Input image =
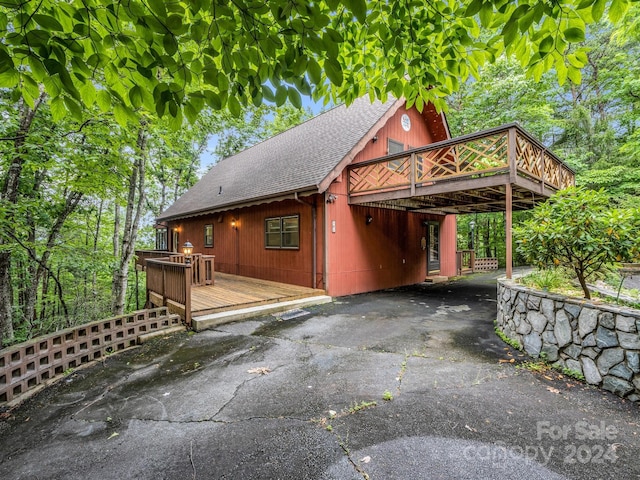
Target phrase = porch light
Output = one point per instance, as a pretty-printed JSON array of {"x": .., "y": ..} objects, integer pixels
[
  {"x": 369, "y": 219},
  {"x": 472, "y": 225},
  {"x": 233, "y": 223},
  {"x": 187, "y": 249}
]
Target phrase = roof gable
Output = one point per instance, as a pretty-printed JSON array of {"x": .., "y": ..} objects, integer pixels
[{"x": 304, "y": 158}]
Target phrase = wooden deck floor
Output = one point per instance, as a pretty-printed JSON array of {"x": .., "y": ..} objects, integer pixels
[{"x": 232, "y": 292}]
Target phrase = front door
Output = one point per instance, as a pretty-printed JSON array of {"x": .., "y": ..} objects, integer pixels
[
  {"x": 176, "y": 241},
  {"x": 433, "y": 248}
]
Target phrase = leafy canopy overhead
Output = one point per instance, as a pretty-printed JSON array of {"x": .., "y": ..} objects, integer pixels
[{"x": 175, "y": 57}]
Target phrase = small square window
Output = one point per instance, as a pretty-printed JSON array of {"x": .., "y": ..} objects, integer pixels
[
  {"x": 395, "y": 147},
  {"x": 208, "y": 235}
]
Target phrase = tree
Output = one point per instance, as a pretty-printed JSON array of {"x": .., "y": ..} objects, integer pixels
[
  {"x": 578, "y": 229},
  {"x": 176, "y": 57}
]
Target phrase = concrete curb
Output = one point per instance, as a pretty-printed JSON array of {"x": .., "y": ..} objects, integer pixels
[{"x": 209, "y": 321}]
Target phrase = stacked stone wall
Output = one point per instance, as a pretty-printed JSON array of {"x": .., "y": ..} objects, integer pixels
[{"x": 602, "y": 342}]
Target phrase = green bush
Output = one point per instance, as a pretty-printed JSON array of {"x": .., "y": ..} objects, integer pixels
[{"x": 578, "y": 229}]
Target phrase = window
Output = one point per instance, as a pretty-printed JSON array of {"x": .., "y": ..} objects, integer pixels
[
  {"x": 208, "y": 235},
  {"x": 161, "y": 239},
  {"x": 282, "y": 232},
  {"x": 395, "y": 147}
]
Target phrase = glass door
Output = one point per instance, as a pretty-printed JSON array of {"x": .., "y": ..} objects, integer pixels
[{"x": 433, "y": 247}]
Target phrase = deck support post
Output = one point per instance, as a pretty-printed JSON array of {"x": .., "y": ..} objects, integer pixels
[{"x": 507, "y": 227}]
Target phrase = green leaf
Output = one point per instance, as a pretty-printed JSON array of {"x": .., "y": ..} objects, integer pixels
[
  {"x": 359, "y": 9},
  {"x": 158, "y": 7},
  {"x": 574, "y": 75},
  {"x": 234, "y": 106},
  {"x": 88, "y": 93},
  {"x": 333, "y": 71},
  {"x": 509, "y": 33},
  {"x": 74, "y": 109},
  {"x": 47, "y": 22},
  {"x": 597, "y": 10},
  {"x": 314, "y": 71},
  {"x": 58, "y": 110},
  {"x": 574, "y": 35},
  {"x": 169, "y": 43},
  {"x": 281, "y": 95},
  {"x": 617, "y": 10},
  {"x": 546, "y": 45},
  {"x": 135, "y": 96},
  {"x": 37, "y": 69},
  {"x": 486, "y": 15},
  {"x": 473, "y": 8},
  {"x": 561, "y": 70},
  {"x": 294, "y": 97},
  {"x": 103, "y": 100},
  {"x": 174, "y": 23},
  {"x": 120, "y": 114}
]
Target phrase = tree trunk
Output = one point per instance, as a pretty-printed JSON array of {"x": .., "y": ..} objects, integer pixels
[
  {"x": 9, "y": 195},
  {"x": 133, "y": 214}
]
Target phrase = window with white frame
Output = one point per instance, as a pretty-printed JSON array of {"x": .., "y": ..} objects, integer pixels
[{"x": 161, "y": 239}]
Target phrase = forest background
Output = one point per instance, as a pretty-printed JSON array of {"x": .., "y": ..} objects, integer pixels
[{"x": 89, "y": 190}]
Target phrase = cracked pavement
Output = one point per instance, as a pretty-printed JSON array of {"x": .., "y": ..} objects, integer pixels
[{"x": 187, "y": 406}]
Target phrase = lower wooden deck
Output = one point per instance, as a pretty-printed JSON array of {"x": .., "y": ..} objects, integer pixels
[{"x": 232, "y": 292}]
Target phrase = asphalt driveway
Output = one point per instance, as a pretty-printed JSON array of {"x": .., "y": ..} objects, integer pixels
[{"x": 408, "y": 383}]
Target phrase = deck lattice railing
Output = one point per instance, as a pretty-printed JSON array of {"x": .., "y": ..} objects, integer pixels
[{"x": 471, "y": 156}]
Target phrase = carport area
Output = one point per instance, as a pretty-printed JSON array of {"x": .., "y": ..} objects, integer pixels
[{"x": 304, "y": 397}]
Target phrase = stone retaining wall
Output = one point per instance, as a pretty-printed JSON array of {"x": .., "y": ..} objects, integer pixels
[{"x": 600, "y": 341}]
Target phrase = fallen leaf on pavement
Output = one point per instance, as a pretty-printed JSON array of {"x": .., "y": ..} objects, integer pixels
[
  {"x": 259, "y": 370},
  {"x": 366, "y": 459},
  {"x": 553, "y": 390},
  {"x": 471, "y": 429}
]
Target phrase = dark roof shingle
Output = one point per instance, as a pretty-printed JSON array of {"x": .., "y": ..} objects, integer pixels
[{"x": 296, "y": 160}]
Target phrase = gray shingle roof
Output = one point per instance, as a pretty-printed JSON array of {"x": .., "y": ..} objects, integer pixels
[{"x": 296, "y": 160}]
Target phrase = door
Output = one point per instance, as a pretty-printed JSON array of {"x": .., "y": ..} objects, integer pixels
[
  {"x": 176, "y": 242},
  {"x": 433, "y": 247}
]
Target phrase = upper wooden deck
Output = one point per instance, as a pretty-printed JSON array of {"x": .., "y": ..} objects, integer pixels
[{"x": 462, "y": 175}]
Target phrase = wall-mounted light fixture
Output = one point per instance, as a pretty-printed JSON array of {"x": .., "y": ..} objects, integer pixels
[
  {"x": 187, "y": 249},
  {"x": 374, "y": 139},
  {"x": 368, "y": 219},
  {"x": 234, "y": 224},
  {"x": 472, "y": 225},
  {"x": 331, "y": 198}
]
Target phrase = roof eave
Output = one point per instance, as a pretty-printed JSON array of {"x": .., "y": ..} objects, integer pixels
[
  {"x": 289, "y": 195},
  {"x": 337, "y": 170}
]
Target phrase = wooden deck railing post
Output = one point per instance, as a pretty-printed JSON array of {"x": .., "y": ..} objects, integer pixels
[
  {"x": 512, "y": 159},
  {"x": 412, "y": 174},
  {"x": 472, "y": 261},
  {"x": 164, "y": 286},
  {"x": 187, "y": 294}
]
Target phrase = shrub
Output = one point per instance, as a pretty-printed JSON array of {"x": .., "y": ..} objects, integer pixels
[{"x": 577, "y": 229}]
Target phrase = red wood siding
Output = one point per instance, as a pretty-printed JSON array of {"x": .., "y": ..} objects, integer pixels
[
  {"x": 241, "y": 251},
  {"x": 386, "y": 253},
  {"x": 420, "y": 134},
  {"x": 360, "y": 257}
]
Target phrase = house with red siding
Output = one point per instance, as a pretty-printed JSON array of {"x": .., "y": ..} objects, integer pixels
[
  {"x": 359, "y": 198},
  {"x": 282, "y": 211}
]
